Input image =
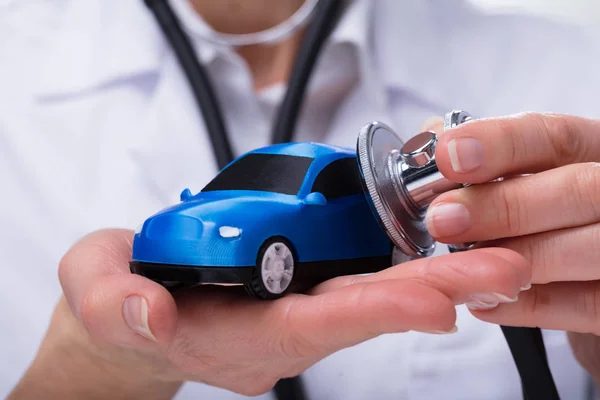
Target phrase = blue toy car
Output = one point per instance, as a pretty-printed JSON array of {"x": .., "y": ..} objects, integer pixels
[{"x": 285, "y": 213}]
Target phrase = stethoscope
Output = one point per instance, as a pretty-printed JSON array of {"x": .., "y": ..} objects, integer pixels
[{"x": 399, "y": 179}]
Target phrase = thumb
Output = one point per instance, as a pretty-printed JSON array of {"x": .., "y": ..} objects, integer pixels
[
  {"x": 129, "y": 310},
  {"x": 114, "y": 305}
]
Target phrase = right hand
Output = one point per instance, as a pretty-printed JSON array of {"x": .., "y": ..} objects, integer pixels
[{"x": 224, "y": 338}]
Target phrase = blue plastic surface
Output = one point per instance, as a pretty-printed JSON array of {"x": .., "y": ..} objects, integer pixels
[{"x": 318, "y": 228}]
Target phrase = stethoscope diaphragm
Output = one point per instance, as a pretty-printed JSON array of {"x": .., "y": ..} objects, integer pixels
[{"x": 401, "y": 179}]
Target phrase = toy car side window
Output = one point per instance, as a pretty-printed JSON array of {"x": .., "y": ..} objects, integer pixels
[{"x": 338, "y": 179}]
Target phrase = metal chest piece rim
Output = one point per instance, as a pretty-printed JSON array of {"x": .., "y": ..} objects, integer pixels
[
  {"x": 378, "y": 151},
  {"x": 386, "y": 163}
]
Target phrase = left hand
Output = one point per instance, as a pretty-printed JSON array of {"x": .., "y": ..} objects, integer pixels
[{"x": 547, "y": 209}]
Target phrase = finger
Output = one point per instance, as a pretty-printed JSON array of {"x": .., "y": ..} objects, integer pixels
[
  {"x": 563, "y": 255},
  {"x": 482, "y": 150},
  {"x": 113, "y": 304},
  {"x": 491, "y": 274},
  {"x": 356, "y": 313},
  {"x": 569, "y": 306},
  {"x": 560, "y": 198},
  {"x": 299, "y": 326},
  {"x": 433, "y": 124}
]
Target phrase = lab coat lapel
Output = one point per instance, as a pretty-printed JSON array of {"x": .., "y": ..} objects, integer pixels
[{"x": 99, "y": 49}]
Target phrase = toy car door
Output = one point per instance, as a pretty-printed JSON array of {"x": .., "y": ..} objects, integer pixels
[{"x": 343, "y": 231}]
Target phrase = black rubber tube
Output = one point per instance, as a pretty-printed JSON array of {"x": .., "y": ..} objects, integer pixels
[
  {"x": 326, "y": 16},
  {"x": 199, "y": 82},
  {"x": 528, "y": 351}
]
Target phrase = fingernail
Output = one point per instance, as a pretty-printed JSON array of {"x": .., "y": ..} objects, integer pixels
[
  {"x": 453, "y": 330},
  {"x": 431, "y": 123},
  {"x": 487, "y": 301},
  {"x": 447, "y": 219},
  {"x": 526, "y": 287},
  {"x": 466, "y": 154},
  {"x": 135, "y": 313},
  {"x": 481, "y": 305}
]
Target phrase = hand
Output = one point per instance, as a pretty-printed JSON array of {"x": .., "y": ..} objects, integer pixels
[
  {"x": 134, "y": 327},
  {"x": 547, "y": 209}
]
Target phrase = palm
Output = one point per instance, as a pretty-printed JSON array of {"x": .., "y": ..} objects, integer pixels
[{"x": 222, "y": 337}]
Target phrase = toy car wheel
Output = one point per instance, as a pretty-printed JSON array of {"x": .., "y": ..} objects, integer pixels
[{"x": 274, "y": 272}]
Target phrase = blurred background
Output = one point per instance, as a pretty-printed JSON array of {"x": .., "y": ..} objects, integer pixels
[{"x": 585, "y": 12}]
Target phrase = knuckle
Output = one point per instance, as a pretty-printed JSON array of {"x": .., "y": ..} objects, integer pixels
[
  {"x": 515, "y": 142},
  {"x": 540, "y": 253},
  {"x": 292, "y": 343},
  {"x": 589, "y": 306},
  {"x": 534, "y": 307},
  {"x": 586, "y": 188},
  {"x": 563, "y": 136},
  {"x": 509, "y": 210}
]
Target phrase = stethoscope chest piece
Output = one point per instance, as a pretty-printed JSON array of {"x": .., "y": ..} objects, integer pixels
[{"x": 401, "y": 180}]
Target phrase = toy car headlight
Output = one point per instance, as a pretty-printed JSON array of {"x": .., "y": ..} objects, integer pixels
[{"x": 229, "y": 232}]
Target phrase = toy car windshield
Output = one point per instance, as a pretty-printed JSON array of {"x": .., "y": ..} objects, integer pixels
[{"x": 275, "y": 173}]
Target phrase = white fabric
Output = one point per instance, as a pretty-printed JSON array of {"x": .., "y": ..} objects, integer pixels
[{"x": 98, "y": 129}]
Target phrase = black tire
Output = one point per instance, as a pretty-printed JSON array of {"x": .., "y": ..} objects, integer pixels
[{"x": 285, "y": 266}]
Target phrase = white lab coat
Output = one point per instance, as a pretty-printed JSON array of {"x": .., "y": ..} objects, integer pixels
[{"x": 98, "y": 129}]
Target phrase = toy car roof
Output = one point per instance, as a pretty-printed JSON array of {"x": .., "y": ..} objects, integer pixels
[{"x": 305, "y": 149}]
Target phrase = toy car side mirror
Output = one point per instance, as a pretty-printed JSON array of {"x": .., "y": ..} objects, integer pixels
[
  {"x": 185, "y": 195},
  {"x": 315, "y": 198}
]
